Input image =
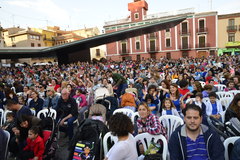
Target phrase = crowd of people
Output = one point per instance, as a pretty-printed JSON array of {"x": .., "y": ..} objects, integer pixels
[{"x": 159, "y": 87}]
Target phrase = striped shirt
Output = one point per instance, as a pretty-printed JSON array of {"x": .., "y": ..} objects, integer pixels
[{"x": 196, "y": 150}]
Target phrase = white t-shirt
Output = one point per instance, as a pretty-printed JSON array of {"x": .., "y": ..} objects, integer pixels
[{"x": 124, "y": 150}]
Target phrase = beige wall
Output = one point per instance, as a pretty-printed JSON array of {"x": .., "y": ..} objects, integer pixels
[
  {"x": 102, "y": 52},
  {"x": 22, "y": 41},
  {"x": 222, "y": 31}
]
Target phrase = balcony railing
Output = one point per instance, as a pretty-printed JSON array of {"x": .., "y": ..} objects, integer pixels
[
  {"x": 204, "y": 45},
  {"x": 202, "y": 30},
  {"x": 152, "y": 49},
  {"x": 232, "y": 28},
  {"x": 124, "y": 51},
  {"x": 182, "y": 33},
  {"x": 184, "y": 47}
]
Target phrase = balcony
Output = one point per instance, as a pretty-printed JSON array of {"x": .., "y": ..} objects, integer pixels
[
  {"x": 152, "y": 35},
  {"x": 202, "y": 30},
  {"x": 48, "y": 39},
  {"x": 184, "y": 33},
  {"x": 152, "y": 50},
  {"x": 124, "y": 51},
  {"x": 184, "y": 47},
  {"x": 204, "y": 45},
  {"x": 232, "y": 28}
]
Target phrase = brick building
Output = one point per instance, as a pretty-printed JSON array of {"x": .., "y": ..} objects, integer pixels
[{"x": 194, "y": 37}]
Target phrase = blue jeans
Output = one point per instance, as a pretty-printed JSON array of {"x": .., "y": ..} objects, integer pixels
[{"x": 70, "y": 126}]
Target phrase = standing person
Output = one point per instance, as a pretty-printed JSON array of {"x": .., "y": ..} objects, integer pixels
[
  {"x": 119, "y": 82},
  {"x": 67, "y": 110},
  {"x": 194, "y": 140},
  {"x": 125, "y": 149}
]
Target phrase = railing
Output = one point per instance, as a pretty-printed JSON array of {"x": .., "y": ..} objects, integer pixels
[
  {"x": 202, "y": 30},
  {"x": 166, "y": 14},
  {"x": 152, "y": 49},
  {"x": 184, "y": 47},
  {"x": 184, "y": 32},
  {"x": 125, "y": 20},
  {"x": 205, "y": 45},
  {"x": 232, "y": 28},
  {"x": 124, "y": 51}
]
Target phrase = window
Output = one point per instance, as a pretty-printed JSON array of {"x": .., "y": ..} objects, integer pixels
[
  {"x": 14, "y": 45},
  {"x": 184, "y": 42},
  {"x": 97, "y": 52},
  {"x": 39, "y": 45},
  {"x": 152, "y": 35},
  {"x": 184, "y": 28},
  {"x": 152, "y": 46},
  {"x": 201, "y": 40},
  {"x": 231, "y": 37},
  {"x": 138, "y": 57},
  {"x": 153, "y": 56},
  {"x": 136, "y": 15},
  {"x": 13, "y": 39},
  {"x": 201, "y": 25},
  {"x": 168, "y": 42},
  {"x": 124, "y": 47},
  {"x": 138, "y": 45},
  {"x": 231, "y": 22},
  {"x": 168, "y": 30},
  {"x": 212, "y": 53},
  {"x": 168, "y": 55},
  {"x": 185, "y": 54},
  {"x": 32, "y": 44}
]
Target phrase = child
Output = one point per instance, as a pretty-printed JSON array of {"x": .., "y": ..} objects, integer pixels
[
  {"x": 150, "y": 102},
  {"x": 35, "y": 146},
  {"x": 82, "y": 103},
  {"x": 169, "y": 108},
  {"x": 206, "y": 90},
  {"x": 198, "y": 101},
  {"x": 214, "y": 107},
  {"x": 9, "y": 124}
]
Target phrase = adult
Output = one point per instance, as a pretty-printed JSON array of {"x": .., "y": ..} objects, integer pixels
[
  {"x": 52, "y": 99},
  {"x": 36, "y": 103},
  {"x": 121, "y": 126},
  {"x": 3, "y": 141},
  {"x": 194, "y": 140},
  {"x": 55, "y": 84},
  {"x": 175, "y": 96},
  {"x": 106, "y": 84},
  {"x": 233, "y": 110},
  {"x": 67, "y": 110}
]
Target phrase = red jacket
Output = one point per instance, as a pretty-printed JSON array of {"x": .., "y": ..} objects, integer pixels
[{"x": 37, "y": 146}]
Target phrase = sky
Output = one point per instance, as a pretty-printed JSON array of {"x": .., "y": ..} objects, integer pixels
[{"x": 77, "y": 14}]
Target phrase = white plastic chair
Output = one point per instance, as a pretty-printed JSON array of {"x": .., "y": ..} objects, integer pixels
[
  {"x": 7, "y": 134},
  {"x": 33, "y": 112},
  {"x": 44, "y": 112},
  {"x": 202, "y": 83},
  {"x": 135, "y": 115},
  {"x": 225, "y": 101},
  {"x": 220, "y": 87},
  {"x": 113, "y": 139},
  {"x": 189, "y": 100},
  {"x": 226, "y": 144},
  {"x": 205, "y": 100},
  {"x": 5, "y": 115},
  {"x": 1, "y": 116},
  {"x": 170, "y": 122},
  {"x": 147, "y": 138},
  {"x": 224, "y": 94},
  {"x": 234, "y": 92},
  {"x": 174, "y": 80},
  {"x": 125, "y": 111},
  {"x": 223, "y": 116}
]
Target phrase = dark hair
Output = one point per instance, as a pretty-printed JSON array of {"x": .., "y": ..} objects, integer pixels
[
  {"x": 120, "y": 125},
  {"x": 234, "y": 104},
  {"x": 212, "y": 94},
  {"x": 148, "y": 96},
  {"x": 193, "y": 107},
  {"x": 10, "y": 114},
  {"x": 11, "y": 102},
  {"x": 183, "y": 83},
  {"x": 199, "y": 94},
  {"x": 35, "y": 130},
  {"x": 151, "y": 87},
  {"x": 167, "y": 83},
  {"x": 208, "y": 87}
]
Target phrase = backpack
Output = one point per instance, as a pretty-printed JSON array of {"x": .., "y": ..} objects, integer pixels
[{"x": 92, "y": 131}]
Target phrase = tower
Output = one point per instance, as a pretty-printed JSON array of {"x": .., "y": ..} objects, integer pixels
[{"x": 138, "y": 10}]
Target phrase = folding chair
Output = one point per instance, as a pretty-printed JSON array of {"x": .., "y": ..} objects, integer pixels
[
  {"x": 227, "y": 143},
  {"x": 106, "y": 138}
]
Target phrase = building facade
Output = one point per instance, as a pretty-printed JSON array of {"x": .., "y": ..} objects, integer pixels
[
  {"x": 229, "y": 34},
  {"x": 47, "y": 35},
  {"x": 194, "y": 37}
]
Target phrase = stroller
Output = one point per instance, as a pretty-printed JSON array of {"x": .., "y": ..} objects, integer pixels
[{"x": 102, "y": 96}]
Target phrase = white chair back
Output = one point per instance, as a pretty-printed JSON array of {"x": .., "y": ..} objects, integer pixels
[
  {"x": 135, "y": 115},
  {"x": 125, "y": 111},
  {"x": 147, "y": 138},
  {"x": 170, "y": 122},
  {"x": 189, "y": 100},
  {"x": 7, "y": 134},
  {"x": 225, "y": 101},
  {"x": 224, "y": 94},
  {"x": 106, "y": 138},
  {"x": 47, "y": 113},
  {"x": 1, "y": 116},
  {"x": 5, "y": 115},
  {"x": 227, "y": 143},
  {"x": 33, "y": 111},
  {"x": 223, "y": 116},
  {"x": 234, "y": 92},
  {"x": 205, "y": 100},
  {"x": 220, "y": 87},
  {"x": 174, "y": 80},
  {"x": 202, "y": 83}
]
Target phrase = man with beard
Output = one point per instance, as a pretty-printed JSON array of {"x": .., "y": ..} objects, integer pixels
[{"x": 193, "y": 140}]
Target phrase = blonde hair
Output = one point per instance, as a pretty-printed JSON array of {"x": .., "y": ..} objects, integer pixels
[{"x": 145, "y": 105}]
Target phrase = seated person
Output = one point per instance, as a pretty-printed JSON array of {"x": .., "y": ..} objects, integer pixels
[
  {"x": 206, "y": 90},
  {"x": 169, "y": 108},
  {"x": 230, "y": 86},
  {"x": 233, "y": 110},
  {"x": 150, "y": 102},
  {"x": 10, "y": 123},
  {"x": 128, "y": 101},
  {"x": 184, "y": 88},
  {"x": 214, "y": 107}
]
